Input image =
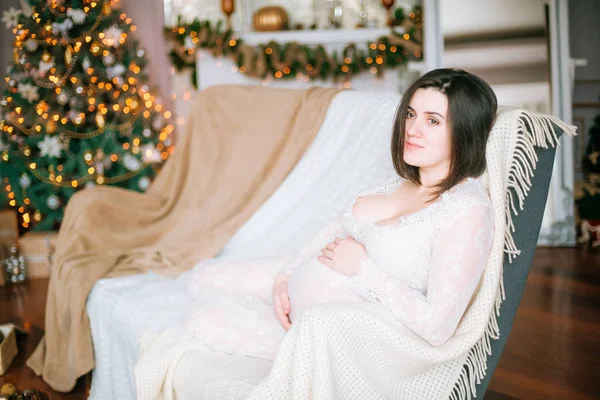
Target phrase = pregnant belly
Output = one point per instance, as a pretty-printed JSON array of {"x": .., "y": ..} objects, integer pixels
[{"x": 314, "y": 283}]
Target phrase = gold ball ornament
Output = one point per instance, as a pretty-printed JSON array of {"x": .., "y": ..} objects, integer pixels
[
  {"x": 78, "y": 118},
  {"x": 8, "y": 389},
  {"x": 95, "y": 48},
  {"x": 270, "y": 18},
  {"x": 50, "y": 127},
  {"x": 106, "y": 9},
  {"x": 41, "y": 107}
]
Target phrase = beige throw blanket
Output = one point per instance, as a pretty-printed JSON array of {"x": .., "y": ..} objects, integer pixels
[{"x": 241, "y": 143}]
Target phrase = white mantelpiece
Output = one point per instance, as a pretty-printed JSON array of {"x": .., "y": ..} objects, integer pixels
[{"x": 321, "y": 36}]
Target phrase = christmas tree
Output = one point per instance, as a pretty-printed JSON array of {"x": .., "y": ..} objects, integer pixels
[
  {"x": 591, "y": 160},
  {"x": 77, "y": 111},
  {"x": 588, "y": 203}
]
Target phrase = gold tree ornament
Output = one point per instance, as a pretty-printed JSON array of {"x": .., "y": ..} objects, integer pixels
[
  {"x": 78, "y": 118},
  {"x": 106, "y": 9},
  {"x": 69, "y": 55},
  {"x": 50, "y": 127},
  {"x": 100, "y": 120},
  {"x": 95, "y": 48},
  {"x": 228, "y": 7},
  {"x": 41, "y": 107},
  {"x": 388, "y": 4},
  {"x": 271, "y": 18}
]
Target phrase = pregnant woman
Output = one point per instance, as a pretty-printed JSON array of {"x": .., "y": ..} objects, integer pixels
[{"x": 416, "y": 245}]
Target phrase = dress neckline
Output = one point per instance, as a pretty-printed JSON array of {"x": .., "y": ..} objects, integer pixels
[{"x": 387, "y": 188}]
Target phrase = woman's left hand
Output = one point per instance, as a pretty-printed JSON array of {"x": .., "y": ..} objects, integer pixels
[{"x": 343, "y": 255}]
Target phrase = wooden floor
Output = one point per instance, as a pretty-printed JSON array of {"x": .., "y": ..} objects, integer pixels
[{"x": 553, "y": 351}]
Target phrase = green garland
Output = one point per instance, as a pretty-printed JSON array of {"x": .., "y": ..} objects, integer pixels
[{"x": 293, "y": 60}]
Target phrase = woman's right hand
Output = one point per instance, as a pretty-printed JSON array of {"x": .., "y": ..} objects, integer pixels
[{"x": 281, "y": 302}]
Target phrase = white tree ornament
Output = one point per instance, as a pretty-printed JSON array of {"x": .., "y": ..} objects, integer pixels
[
  {"x": 131, "y": 162},
  {"x": 11, "y": 17},
  {"x": 50, "y": 147},
  {"x": 112, "y": 35},
  {"x": 77, "y": 15},
  {"x": 46, "y": 66},
  {"x": 28, "y": 91}
]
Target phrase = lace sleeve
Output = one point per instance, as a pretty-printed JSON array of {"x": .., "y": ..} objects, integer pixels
[
  {"x": 332, "y": 230},
  {"x": 456, "y": 264}
]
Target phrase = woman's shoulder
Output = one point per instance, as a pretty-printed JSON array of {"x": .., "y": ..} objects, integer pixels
[
  {"x": 469, "y": 203},
  {"x": 468, "y": 194}
]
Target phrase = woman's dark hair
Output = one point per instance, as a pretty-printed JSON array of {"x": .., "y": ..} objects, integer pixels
[{"x": 472, "y": 109}]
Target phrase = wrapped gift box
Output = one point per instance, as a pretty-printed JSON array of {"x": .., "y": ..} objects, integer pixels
[
  {"x": 8, "y": 347},
  {"x": 9, "y": 229},
  {"x": 9, "y": 232},
  {"x": 37, "y": 248}
]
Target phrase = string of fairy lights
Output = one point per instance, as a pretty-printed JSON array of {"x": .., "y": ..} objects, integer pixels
[{"x": 133, "y": 101}]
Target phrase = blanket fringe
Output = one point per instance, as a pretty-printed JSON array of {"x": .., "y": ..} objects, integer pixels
[{"x": 533, "y": 130}]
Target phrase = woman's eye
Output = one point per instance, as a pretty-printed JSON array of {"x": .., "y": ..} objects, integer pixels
[
  {"x": 433, "y": 121},
  {"x": 410, "y": 114}
]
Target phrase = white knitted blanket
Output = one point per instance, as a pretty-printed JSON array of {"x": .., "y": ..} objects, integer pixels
[{"x": 361, "y": 351}]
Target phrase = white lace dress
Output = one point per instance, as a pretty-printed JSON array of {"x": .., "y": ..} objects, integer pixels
[{"x": 424, "y": 269}]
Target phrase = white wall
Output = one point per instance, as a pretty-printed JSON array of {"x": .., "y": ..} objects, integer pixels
[
  {"x": 460, "y": 17},
  {"x": 517, "y": 69}
]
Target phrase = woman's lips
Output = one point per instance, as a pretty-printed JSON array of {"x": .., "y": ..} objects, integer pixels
[{"x": 412, "y": 146}]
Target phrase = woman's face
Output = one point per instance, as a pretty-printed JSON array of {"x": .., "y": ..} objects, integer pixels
[{"x": 427, "y": 141}]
